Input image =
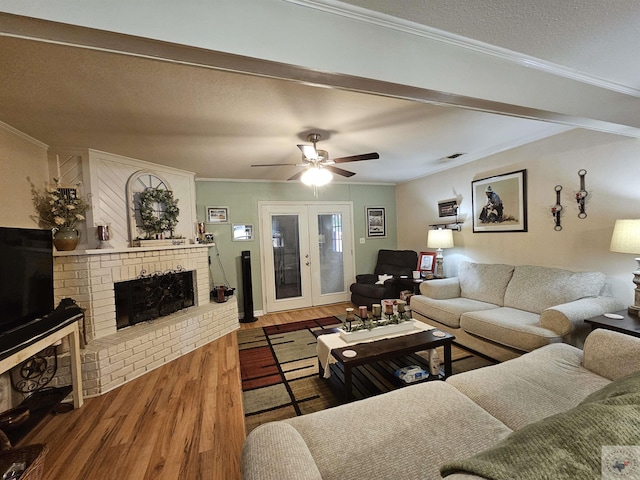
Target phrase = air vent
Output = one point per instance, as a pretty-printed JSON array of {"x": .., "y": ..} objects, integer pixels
[{"x": 450, "y": 157}]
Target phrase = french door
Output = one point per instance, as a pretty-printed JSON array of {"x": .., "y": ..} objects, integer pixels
[{"x": 307, "y": 254}]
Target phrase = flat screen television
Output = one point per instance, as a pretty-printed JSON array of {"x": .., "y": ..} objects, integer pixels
[{"x": 26, "y": 282}]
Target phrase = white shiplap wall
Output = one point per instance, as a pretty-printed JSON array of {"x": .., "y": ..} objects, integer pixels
[{"x": 104, "y": 176}]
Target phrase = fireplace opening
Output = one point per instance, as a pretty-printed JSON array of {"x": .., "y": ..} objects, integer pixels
[{"x": 152, "y": 296}]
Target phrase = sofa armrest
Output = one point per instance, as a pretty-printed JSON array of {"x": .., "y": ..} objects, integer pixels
[
  {"x": 368, "y": 278},
  {"x": 563, "y": 319},
  {"x": 611, "y": 354},
  {"x": 441, "y": 288},
  {"x": 276, "y": 451}
]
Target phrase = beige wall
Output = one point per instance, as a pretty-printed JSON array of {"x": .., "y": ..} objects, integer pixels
[
  {"x": 612, "y": 180},
  {"x": 23, "y": 160}
]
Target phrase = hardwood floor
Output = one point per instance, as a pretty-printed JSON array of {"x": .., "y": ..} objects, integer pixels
[{"x": 182, "y": 420}]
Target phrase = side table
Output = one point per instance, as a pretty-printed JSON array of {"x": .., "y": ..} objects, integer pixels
[{"x": 628, "y": 324}]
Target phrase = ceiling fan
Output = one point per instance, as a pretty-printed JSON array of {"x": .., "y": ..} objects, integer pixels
[{"x": 317, "y": 160}]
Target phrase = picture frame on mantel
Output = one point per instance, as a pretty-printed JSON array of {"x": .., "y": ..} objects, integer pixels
[{"x": 500, "y": 203}]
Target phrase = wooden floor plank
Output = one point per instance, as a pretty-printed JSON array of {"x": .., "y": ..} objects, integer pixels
[{"x": 182, "y": 420}]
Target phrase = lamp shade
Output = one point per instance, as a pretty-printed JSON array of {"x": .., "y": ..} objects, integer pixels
[
  {"x": 441, "y": 238},
  {"x": 626, "y": 237},
  {"x": 316, "y": 176}
]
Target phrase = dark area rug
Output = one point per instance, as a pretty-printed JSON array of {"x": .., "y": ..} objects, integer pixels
[{"x": 279, "y": 370}]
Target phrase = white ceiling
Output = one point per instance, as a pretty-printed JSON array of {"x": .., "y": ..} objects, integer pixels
[{"x": 217, "y": 123}]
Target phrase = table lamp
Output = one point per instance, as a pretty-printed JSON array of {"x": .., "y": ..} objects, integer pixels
[
  {"x": 439, "y": 239},
  {"x": 626, "y": 239}
]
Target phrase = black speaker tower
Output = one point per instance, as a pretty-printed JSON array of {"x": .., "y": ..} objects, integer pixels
[{"x": 247, "y": 288}]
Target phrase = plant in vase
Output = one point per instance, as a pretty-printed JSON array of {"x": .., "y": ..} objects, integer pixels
[{"x": 61, "y": 209}]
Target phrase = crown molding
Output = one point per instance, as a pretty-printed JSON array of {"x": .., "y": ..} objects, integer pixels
[
  {"x": 387, "y": 21},
  {"x": 24, "y": 136}
]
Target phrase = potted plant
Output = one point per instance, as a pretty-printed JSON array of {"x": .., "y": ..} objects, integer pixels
[{"x": 61, "y": 209}]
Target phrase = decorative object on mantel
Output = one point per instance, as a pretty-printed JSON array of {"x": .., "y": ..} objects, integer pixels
[
  {"x": 61, "y": 208},
  {"x": 159, "y": 212},
  {"x": 159, "y": 242},
  {"x": 556, "y": 210},
  {"x": 626, "y": 239},
  {"x": 581, "y": 196},
  {"x": 104, "y": 235}
]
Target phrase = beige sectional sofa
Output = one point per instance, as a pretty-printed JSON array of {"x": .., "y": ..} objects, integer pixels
[
  {"x": 503, "y": 310},
  {"x": 413, "y": 432}
]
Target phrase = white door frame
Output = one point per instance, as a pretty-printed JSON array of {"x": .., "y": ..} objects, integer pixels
[{"x": 310, "y": 297}]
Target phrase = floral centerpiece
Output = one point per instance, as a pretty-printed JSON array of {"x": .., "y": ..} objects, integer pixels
[
  {"x": 158, "y": 211},
  {"x": 61, "y": 209}
]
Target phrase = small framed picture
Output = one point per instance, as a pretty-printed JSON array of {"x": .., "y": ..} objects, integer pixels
[
  {"x": 242, "y": 232},
  {"x": 376, "y": 222},
  {"x": 447, "y": 208},
  {"x": 426, "y": 263},
  {"x": 217, "y": 214}
]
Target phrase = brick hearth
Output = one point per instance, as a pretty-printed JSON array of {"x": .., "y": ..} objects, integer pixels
[{"x": 111, "y": 357}]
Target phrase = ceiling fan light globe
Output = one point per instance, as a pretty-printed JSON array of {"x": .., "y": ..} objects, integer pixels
[{"x": 316, "y": 176}]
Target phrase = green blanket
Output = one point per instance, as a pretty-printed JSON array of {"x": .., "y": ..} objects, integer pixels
[{"x": 566, "y": 445}]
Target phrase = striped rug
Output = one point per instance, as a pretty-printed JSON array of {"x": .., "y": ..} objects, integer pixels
[{"x": 279, "y": 370}]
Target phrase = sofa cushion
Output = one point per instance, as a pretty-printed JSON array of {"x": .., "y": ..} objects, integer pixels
[
  {"x": 509, "y": 326},
  {"x": 484, "y": 282},
  {"x": 398, "y": 434},
  {"x": 294, "y": 459},
  {"x": 531, "y": 387},
  {"x": 447, "y": 311},
  {"x": 533, "y": 288}
]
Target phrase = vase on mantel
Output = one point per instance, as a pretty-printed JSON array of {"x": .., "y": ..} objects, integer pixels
[{"x": 66, "y": 239}]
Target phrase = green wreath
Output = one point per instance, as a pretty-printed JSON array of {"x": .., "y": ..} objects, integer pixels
[{"x": 154, "y": 222}]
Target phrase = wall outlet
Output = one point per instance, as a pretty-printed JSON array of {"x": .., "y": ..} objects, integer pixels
[{"x": 362, "y": 241}]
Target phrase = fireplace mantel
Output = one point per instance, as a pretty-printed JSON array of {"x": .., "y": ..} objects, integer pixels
[{"x": 107, "y": 251}]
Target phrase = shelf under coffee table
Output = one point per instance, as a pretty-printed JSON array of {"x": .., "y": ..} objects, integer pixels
[{"x": 390, "y": 348}]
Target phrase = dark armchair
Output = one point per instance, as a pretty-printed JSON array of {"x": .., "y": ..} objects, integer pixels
[{"x": 390, "y": 262}]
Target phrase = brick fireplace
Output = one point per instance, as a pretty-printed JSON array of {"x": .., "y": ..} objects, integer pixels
[{"x": 111, "y": 357}]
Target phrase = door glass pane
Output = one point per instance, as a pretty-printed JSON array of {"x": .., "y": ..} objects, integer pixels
[
  {"x": 331, "y": 257},
  {"x": 286, "y": 256}
]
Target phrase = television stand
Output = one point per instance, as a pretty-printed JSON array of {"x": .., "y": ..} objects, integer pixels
[{"x": 67, "y": 328}]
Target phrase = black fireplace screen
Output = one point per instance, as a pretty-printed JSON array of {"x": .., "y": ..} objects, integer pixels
[{"x": 152, "y": 296}]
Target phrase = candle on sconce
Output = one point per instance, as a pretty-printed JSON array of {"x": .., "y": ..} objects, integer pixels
[
  {"x": 350, "y": 315},
  {"x": 376, "y": 310},
  {"x": 401, "y": 304},
  {"x": 388, "y": 308},
  {"x": 363, "y": 312}
]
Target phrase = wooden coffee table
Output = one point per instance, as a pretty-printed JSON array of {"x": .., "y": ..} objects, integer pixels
[{"x": 389, "y": 348}]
